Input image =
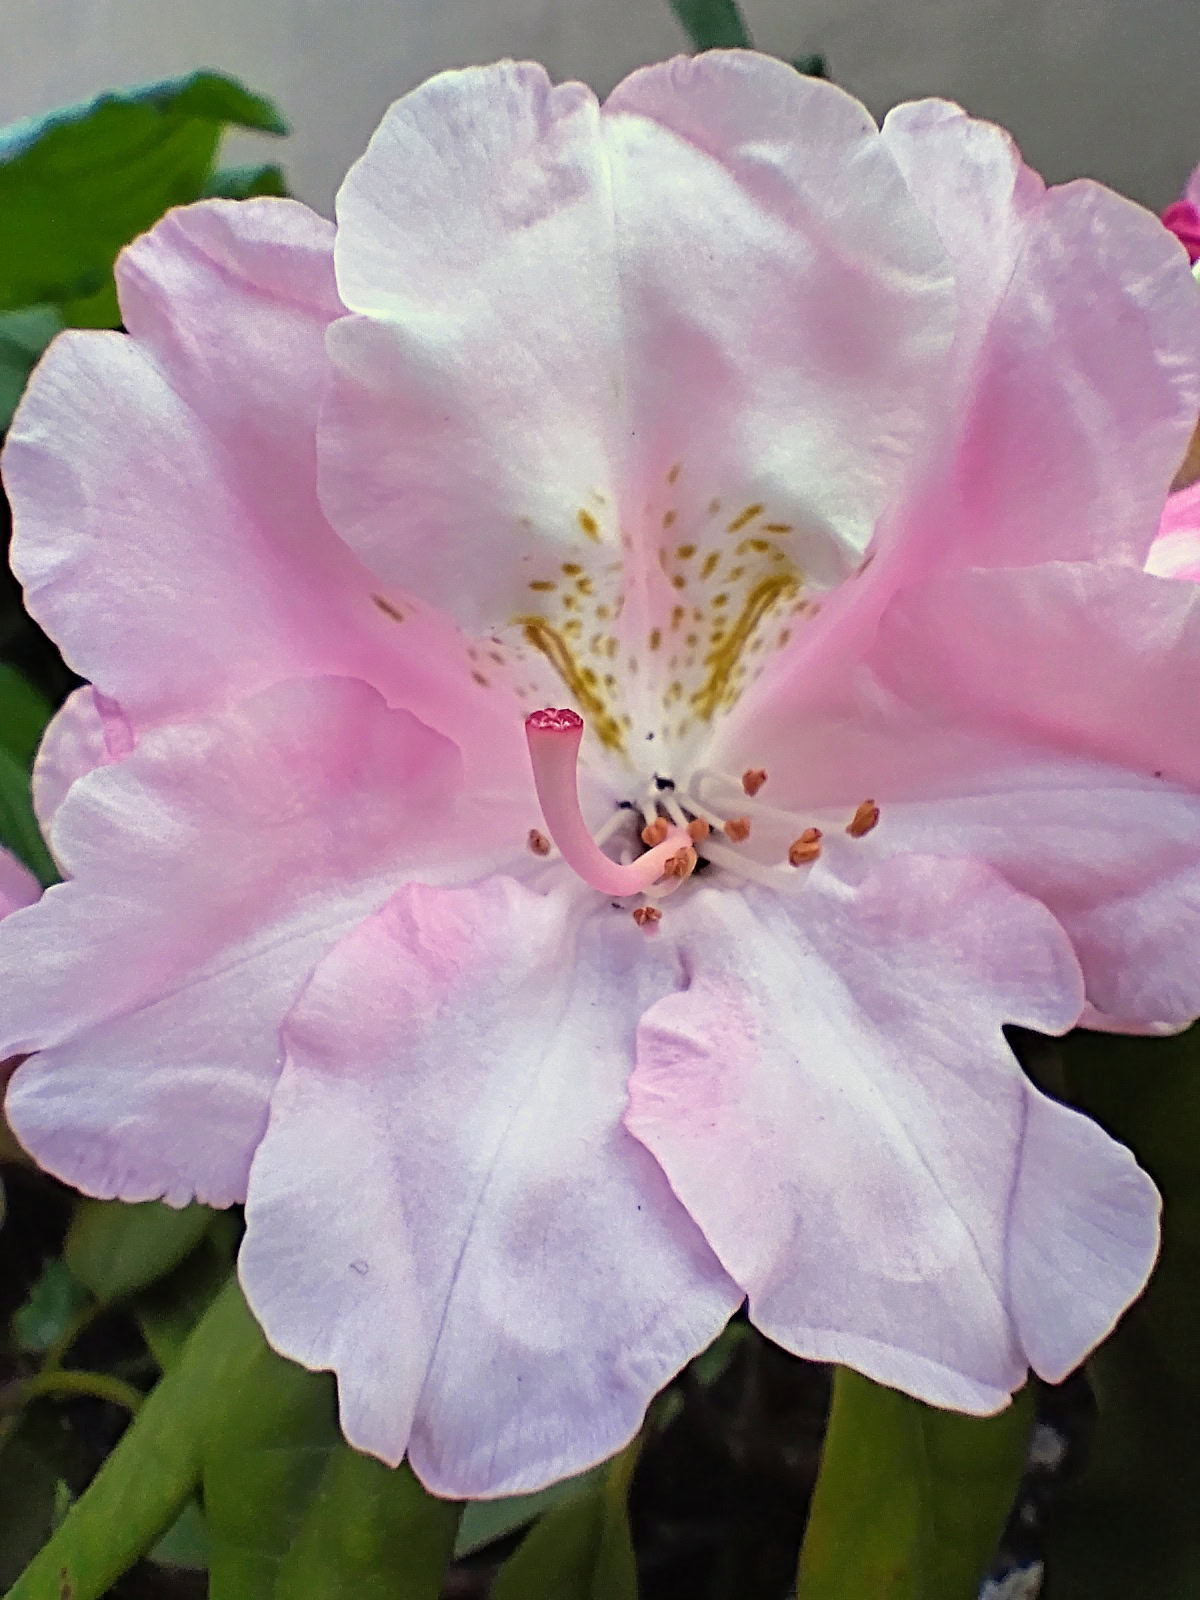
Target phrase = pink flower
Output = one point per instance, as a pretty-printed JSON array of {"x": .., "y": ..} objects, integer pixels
[
  {"x": 1175, "y": 553},
  {"x": 18, "y": 886},
  {"x": 816, "y": 469},
  {"x": 1182, "y": 217}
]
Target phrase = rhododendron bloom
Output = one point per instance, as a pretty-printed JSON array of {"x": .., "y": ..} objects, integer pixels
[
  {"x": 1175, "y": 553},
  {"x": 18, "y": 886},
  {"x": 1182, "y": 217},
  {"x": 614, "y": 679}
]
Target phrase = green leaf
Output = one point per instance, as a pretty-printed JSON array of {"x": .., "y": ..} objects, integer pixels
[
  {"x": 23, "y": 337},
  {"x": 371, "y": 1532},
  {"x": 169, "y": 1309},
  {"x": 284, "y": 1498},
  {"x": 117, "y": 1249},
  {"x": 581, "y": 1550},
  {"x": 1128, "y": 1526},
  {"x": 713, "y": 24},
  {"x": 28, "y": 1497},
  {"x": 19, "y": 831},
  {"x": 148, "y": 1479},
  {"x": 24, "y": 713},
  {"x": 261, "y": 1469},
  {"x": 185, "y": 1543},
  {"x": 211, "y": 97},
  {"x": 79, "y": 184},
  {"x": 52, "y": 1306},
  {"x": 246, "y": 183},
  {"x": 910, "y": 1502},
  {"x": 23, "y": 717},
  {"x": 813, "y": 65},
  {"x": 486, "y": 1520}
]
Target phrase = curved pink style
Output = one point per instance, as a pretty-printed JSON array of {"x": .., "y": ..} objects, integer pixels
[
  {"x": 554, "y": 738},
  {"x": 764, "y": 440}
]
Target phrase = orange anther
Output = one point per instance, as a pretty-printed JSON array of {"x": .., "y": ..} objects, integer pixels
[
  {"x": 806, "y": 848},
  {"x": 698, "y": 829},
  {"x": 753, "y": 779},
  {"x": 681, "y": 865},
  {"x": 737, "y": 829},
  {"x": 538, "y": 843},
  {"x": 655, "y": 832},
  {"x": 647, "y": 916},
  {"x": 863, "y": 820}
]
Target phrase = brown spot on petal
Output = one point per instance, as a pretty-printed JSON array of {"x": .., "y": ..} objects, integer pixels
[
  {"x": 388, "y": 609},
  {"x": 588, "y": 523},
  {"x": 753, "y": 779},
  {"x": 863, "y": 820},
  {"x": 747, "y": 514},
  {"x": 538, "y": 842}
]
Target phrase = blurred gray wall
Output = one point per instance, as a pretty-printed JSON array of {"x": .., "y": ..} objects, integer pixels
[{"x": 1107, "y": 88}]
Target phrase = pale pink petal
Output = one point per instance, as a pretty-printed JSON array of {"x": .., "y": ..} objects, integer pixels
[
  {"x": 833, "y": 1100},
  {"x": 18, "y": 886},
  {"x": 1101, "y": 1022},
  {"x": 163, "y": 482},
  {"x": 1044, "y": 720},
  {"x": 572, "y": 324},
  {"x": 1077, "y": 380},
  {"x": 446, "y": 1209},
  {"x": 1175, "y": 553},
  {"x": 1084, "y": 1232},
  {"x": 88, "y": 730},
  {"x": 207, "y": 873},
  {"x": 162, "y": 528}
]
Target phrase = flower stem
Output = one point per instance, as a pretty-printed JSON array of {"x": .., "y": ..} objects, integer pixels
[{"x": 70, "y": 1384}]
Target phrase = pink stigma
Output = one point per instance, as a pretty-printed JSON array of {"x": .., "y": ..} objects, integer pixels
[
  {"x": 552, "y": 721},
  {"x": 554, "y": 738}
]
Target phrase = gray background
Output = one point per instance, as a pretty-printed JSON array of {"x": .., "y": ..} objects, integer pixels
[{"x": 1106, "y": 88}]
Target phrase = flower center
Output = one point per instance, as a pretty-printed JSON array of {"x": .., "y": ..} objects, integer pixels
[
  {"x": 656, "y": 629},
  {"x": 680, "y": 830}
]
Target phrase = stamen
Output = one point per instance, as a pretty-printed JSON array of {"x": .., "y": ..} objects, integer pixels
[
  {"x": 752, "y": 780},
  {"x": 863, "y": 820},
  {"x": 743, "y": 866},
  {"x": 698, "y": 829},
  {"x": 737, "y": 829},
  {"x": 682, "y": 864},
  {"x": 538, "y": 843},
  {"x": 806, "y": 848},
  {"x": 554, "y": 738},
  {"x": 647, "y": 916},
  {"x": 655, "y": 832}
]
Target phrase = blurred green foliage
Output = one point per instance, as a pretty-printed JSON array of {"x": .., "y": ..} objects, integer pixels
[
  {"x": 79, "y": 184},
  {"x": 911, "y": 1501}
]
